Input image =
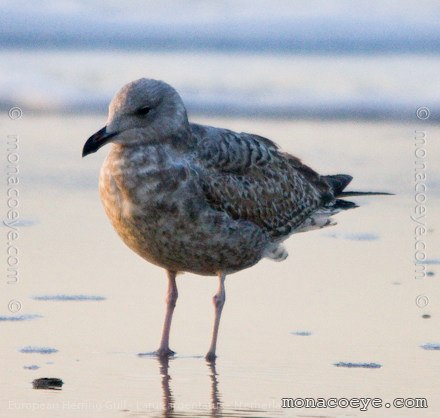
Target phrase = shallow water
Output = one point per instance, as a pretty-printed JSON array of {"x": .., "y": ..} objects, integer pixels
[{"x": 285, "y": 326}]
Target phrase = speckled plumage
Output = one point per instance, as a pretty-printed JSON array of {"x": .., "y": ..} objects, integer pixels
[
  {"x": 162, "y": 214},
  {"x": 221, "y": 204},
  {"x": 200, "y": 199}
]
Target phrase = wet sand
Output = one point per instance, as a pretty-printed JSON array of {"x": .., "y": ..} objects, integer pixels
[{"x": 345, "y": 296}]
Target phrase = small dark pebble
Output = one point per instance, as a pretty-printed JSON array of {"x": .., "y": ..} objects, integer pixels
[
  {"x": 426, "y": 316},
  {"x": 430, "y": 273},
  {"x": 52, "y": 383}
]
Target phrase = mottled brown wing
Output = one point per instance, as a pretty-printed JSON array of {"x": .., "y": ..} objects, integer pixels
[{"x": 248, "y": 177}]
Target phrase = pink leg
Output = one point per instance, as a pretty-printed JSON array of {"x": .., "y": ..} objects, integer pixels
[
  {"x": 172, "y": 294},
  {"x": 218, "y": 300}
]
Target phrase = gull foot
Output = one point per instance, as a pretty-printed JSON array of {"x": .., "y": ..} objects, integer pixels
[
  {"x": 210, "y": 357},
  {"x": 164, "y": 353}
]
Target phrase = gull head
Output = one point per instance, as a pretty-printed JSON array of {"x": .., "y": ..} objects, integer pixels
[{"x": 142, "y": 112}]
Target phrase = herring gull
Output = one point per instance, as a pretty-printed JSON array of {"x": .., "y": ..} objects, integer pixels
[{"x": 199, "y": 199}]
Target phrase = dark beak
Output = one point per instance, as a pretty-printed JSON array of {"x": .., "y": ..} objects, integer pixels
[{"x": 97, "y": 140}]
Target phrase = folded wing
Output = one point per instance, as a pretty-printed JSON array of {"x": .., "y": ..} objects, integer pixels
[{"x": 248, "y": 177}]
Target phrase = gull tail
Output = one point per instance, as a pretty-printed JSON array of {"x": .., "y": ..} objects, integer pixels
[
  {"x": 338, "y": 183},
  {"x": 322, "y": 217}
]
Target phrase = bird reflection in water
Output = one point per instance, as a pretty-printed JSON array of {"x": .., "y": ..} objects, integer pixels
[
  {"x": 168, "y": 400},
  {"x": 167, "y": 394},
  {"x": 215, "y": 396}
]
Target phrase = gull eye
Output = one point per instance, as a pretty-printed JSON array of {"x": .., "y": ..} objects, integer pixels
[{"x": 143, "y": 111}]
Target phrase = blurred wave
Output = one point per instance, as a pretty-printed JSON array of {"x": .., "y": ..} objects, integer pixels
[{"x": 323, "y": 86}]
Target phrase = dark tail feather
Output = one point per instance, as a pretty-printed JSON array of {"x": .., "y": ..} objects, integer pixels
[
  {"x": 347, "y": 194},
  {"x": 338, "y": 183},
  {"x": 344, "y": 204}
]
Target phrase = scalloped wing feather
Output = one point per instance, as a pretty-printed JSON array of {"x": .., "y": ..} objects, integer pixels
[{"x": 249, "y": 178}]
